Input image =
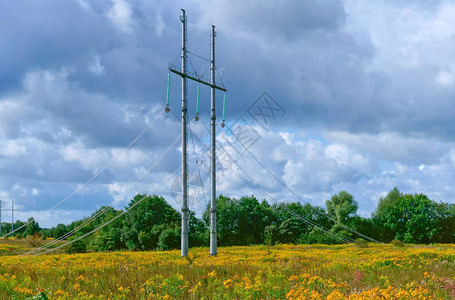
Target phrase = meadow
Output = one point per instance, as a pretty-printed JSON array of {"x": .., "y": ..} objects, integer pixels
[{"x": 255, "y": 272}]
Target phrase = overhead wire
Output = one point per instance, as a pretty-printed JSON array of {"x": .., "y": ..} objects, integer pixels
[
  {"x": 201, "y": 57},
  {"x": 195, "y": 72},
  {"x": 219, "y": 75},
  {"x": 256, "y": 186},
  {"x": 197, "y": 165},
  {"x": 294, "y": 193},
  {"x": 309, "y": 222},
  {"x": 94, "y": 230},
  {"x": 110, "y": 221},
  {"x": 197, "y": 55},
  {"x": 102, "y": 211},
  {"x": 81, "y": 187}
]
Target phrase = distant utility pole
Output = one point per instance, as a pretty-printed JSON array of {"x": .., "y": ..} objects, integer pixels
[
  {"x": 183, "y": 72},
  {"x": 12, "y": 215}
]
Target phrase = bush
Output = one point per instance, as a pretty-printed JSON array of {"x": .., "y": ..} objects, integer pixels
[
  {"x": 397, "y": 243},
  {"x": 361, "y": 243},
  {"x": 19, "y": 236},
  {"x": 270, "y": 235},
  {"x": 317, "y": 236},
  {"x": 169, "y": 239},
  {"x": 35, "y": 239},
  {"x": 78, "y": 246}
]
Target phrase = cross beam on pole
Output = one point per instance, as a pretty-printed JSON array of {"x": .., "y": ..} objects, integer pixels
[
  {"x": 192, "y": 76},
  {"x": 183, "y": 72}
]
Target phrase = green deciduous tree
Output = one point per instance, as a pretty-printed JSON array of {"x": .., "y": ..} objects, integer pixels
[
  {"x": 32, "y": 227},
  {"x": 240, "y": 221},
  {"x": 342, "y": 207},
  {"x": 408, "y": 218},
  {"x": 169, "y": 239},
  {"x": 143, "y": 224}
]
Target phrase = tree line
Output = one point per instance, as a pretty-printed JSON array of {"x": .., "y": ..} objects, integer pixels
[{"x": 154, "y": 224}]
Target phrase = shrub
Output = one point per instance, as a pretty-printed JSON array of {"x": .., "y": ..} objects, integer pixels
[
  {"x": 397, "y": 243},
  {"x": 78, "y": 246},
  {"x": 361, "y": 243},
  {"x": 169, "y": 239},
  {"x": 270, "y": 235},
  {"x": 35, "y": 239}
]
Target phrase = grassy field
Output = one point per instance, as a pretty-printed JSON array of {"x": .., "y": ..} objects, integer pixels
[{"x": 255, "y": 272}]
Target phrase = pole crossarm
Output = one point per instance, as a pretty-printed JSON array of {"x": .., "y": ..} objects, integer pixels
[{"x": 193, "y": 76}]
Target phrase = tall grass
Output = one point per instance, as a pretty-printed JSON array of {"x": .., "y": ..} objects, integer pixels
[{"x": 256, "y": 272}]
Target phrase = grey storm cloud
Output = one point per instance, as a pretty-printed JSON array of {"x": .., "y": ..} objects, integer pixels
[{"x": 367, "y": 89}]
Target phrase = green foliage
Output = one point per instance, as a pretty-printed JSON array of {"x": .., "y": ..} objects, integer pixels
[
  {"x": 35, "y": 240},
  {"x": 32, "y": 227},
  {"x": 198, "y": 234},
  {"x": 270, "y": 235},
  {"x": 169, "y": 239},
  {"x": 410, "y": 218},
  {"x": 317, "y": 236},
  {"x": 40, "y": 296},
  {"x": 361, "y": 243},
  {"x": 143, "y": 224},
  {"x": 289, "y": 231},
  {"x": 154, "y": 224},
  {"x": 78, "y": 246},
  {"x": 397, "y": 243},
  {"x": 109, "y": 237},
  {"x": 240, "y": 221},
  {"x": 295, "y": 230},
  {"x": 342, "y": 206}
]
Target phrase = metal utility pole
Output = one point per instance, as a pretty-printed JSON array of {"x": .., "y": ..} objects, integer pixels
[
  {"x": 183, "y": 72},
  {"x": 213, "y": 241},
  {"x": 185, "y": 219},
  {"x": 12, "y": 215}
]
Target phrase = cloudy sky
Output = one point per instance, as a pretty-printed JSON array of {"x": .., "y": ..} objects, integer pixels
[{"x": 358, "y": 96}]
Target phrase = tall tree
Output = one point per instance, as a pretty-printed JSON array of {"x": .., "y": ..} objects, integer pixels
[
  {"x": 342, "y": 207},
  {"x": 143, "y": 224},
  {"x": 409, "y": 218},
  {"x": 31, "y": 227}
]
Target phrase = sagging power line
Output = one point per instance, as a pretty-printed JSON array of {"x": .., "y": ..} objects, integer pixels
[{"x": 186, "y": 127}]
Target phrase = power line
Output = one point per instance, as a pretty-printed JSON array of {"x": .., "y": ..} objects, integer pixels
[
  {"x": 102, "y": 225},
  {"x": 94, "y": 230},
  {"x": 309, "y": 222},
  {"x": 94, "y": 176},
  {"x": 197, "y": 165},
  {"x": 99, "y": 213},
  {"x": 197, "y": 55},
  {"x": 254, "y": 185},
  {"x": 294, "y": 193}
]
